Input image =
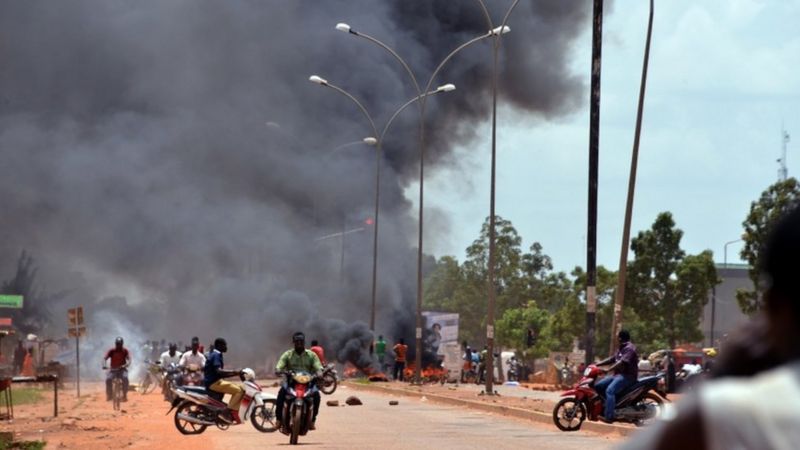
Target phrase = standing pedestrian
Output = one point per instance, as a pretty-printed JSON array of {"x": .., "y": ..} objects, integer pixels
[
  {"x": 19, "y": 357},
  {"x": 467, "y": 363},
  {"x": 400, "y": 350},
  {"x": 319, "y": 351},
  {"x": 380, "y": 350},
  {"x": 27, "y": 364}
]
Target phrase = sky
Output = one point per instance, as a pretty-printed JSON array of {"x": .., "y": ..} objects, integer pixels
[{"x": 721, "y": 83}]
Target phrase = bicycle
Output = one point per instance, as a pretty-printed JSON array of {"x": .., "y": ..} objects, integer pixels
[
  {"x": 117, "y": 390},
  {"x": 152, "y": 378}
]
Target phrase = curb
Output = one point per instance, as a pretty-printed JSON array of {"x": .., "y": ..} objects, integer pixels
[{"x": 536, "y": 416}]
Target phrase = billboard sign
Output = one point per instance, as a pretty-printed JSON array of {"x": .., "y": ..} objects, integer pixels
[{"x": 443, "y": 329}]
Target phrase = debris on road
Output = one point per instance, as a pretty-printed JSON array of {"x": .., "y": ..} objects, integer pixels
[
  {"x": 393, "y": 403},
  {"x": 353, "y": 401},
  {"x": 332, "y": 403}
]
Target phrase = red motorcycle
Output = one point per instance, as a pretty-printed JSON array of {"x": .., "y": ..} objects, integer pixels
[{"x": 638, "y": 404}]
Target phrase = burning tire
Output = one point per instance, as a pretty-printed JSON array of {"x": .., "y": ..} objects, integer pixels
[{"x": 569, "y": 414}]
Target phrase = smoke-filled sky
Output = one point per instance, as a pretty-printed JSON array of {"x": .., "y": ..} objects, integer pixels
[
  {"x": 175, "y": 155},
  {"x": 723, "y": 78}
]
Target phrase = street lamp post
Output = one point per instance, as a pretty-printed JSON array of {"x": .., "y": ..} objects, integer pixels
[
  {"x": 502, "y": 29},
  {"x": 492, "y": 32},
  {"x": 714, "y": 290},
  {"x": 378, "y": 142},
  {"x": 323, "y": 82}
]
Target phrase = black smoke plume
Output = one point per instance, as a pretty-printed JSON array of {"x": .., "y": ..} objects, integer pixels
[{"x": 174, "y": 153}]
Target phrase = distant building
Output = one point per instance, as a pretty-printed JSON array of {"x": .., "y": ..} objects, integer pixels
[{"x": 727, "y": 314}]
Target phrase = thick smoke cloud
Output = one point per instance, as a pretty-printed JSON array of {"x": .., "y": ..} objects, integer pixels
[{"x": 175, "y": 154}]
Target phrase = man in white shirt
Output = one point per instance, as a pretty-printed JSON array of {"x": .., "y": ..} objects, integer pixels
[
  {"x": 193, "y": 362},
  {"x": 170, "y": 356}
]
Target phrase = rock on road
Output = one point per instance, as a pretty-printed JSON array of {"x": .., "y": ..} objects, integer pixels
[{"x": 412, "y": 424}]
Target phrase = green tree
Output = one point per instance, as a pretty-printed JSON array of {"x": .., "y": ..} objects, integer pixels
[
  {"x": 606, "y": 286},
  {"x": 666, "y": 288},
  {"x": 512, "y": 327},
  {"x": 34, "y": 315},
  {"x": 442, "y": 284},
  {"x": 773, "y": 203}
]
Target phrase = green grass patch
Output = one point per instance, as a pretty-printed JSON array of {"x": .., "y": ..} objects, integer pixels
[
  {"x": 26, "y": 396},
  {"x": 22, "y": 445}
]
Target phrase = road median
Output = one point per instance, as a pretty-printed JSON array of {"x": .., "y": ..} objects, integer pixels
[{"x": 495, "y": 407}]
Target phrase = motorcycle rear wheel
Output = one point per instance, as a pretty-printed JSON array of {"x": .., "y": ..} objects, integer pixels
[
  {"x": 651, "y": 399},
  {"x": 567, "y": 412},
  {"x": 263, "y": 417},
  {"x": 297, "y": 420},
  {"x": 189, "y": 409},
  {"x": 328, "y": 385}
]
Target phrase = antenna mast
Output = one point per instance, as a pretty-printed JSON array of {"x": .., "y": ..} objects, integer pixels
[{"x": 782, "y": 172}]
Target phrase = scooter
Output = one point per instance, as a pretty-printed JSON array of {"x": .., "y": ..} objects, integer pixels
[
  {"x": 199, "y": 408},
  {"x": 298, "y": 408},
  {"x": 638, "y": 404}
]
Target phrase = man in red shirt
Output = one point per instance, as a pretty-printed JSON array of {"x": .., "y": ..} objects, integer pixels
[
  {"x": 400, "y": 350},
  {"x": 120, "y": 359},
  {"x": 316, "y": 348}
]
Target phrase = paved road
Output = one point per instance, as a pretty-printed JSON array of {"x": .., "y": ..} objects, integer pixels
[{"x": 413, "y": 424}]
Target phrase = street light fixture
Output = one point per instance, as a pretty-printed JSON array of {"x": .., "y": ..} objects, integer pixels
[
  {"x": 378, "y": 143},
  {"x": 493, "y": 31}
]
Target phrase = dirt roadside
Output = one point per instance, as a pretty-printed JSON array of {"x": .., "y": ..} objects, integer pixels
[{"x": 91, "y": 423}]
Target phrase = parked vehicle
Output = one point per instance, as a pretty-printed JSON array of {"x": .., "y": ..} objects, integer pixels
[
  {"x": 639, "y": 404},
  {"x": 197, "y": 408},
  {"x": 298, "y": 409},
  {"x": 329, "y": 379}
]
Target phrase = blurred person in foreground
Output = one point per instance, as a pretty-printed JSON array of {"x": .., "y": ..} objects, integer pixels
[{"x": 752, "y": 403}]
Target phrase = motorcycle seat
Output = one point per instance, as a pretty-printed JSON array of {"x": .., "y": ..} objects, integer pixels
[
  {"x": 195, "y": 389},
  {"x": 639, "y": 383},
  {"x": 203, "y": 391}
]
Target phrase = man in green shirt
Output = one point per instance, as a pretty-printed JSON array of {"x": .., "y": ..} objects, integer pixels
[
  {"x": 380, "y": 350},
  {"x": 298, "y": 359}
]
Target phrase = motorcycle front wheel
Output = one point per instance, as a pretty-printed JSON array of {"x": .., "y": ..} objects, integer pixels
[
  {"x": 329, "y": 383},
  {"x": 297, "y": 420},
  {"x": 569, "y": 414},
  {"x": 263, "y": 417},
  {"x": 188, "y": 409}
]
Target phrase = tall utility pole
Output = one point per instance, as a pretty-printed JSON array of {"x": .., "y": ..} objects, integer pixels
[
  {"x": 616, "y": 324},
  {"x": 782, "y": 172},
  {"x": 594, "y": 140}
]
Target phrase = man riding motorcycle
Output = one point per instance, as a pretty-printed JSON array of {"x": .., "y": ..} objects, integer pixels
[
  {"x": 170, "y": 356},
  {"x": 214, "y": 372},
  {"x": 626, "y": 371},
  {"x": 193, "y": 358},
  {"x": 120, "y": 359},
  {"x": 295, "y": 360}
]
